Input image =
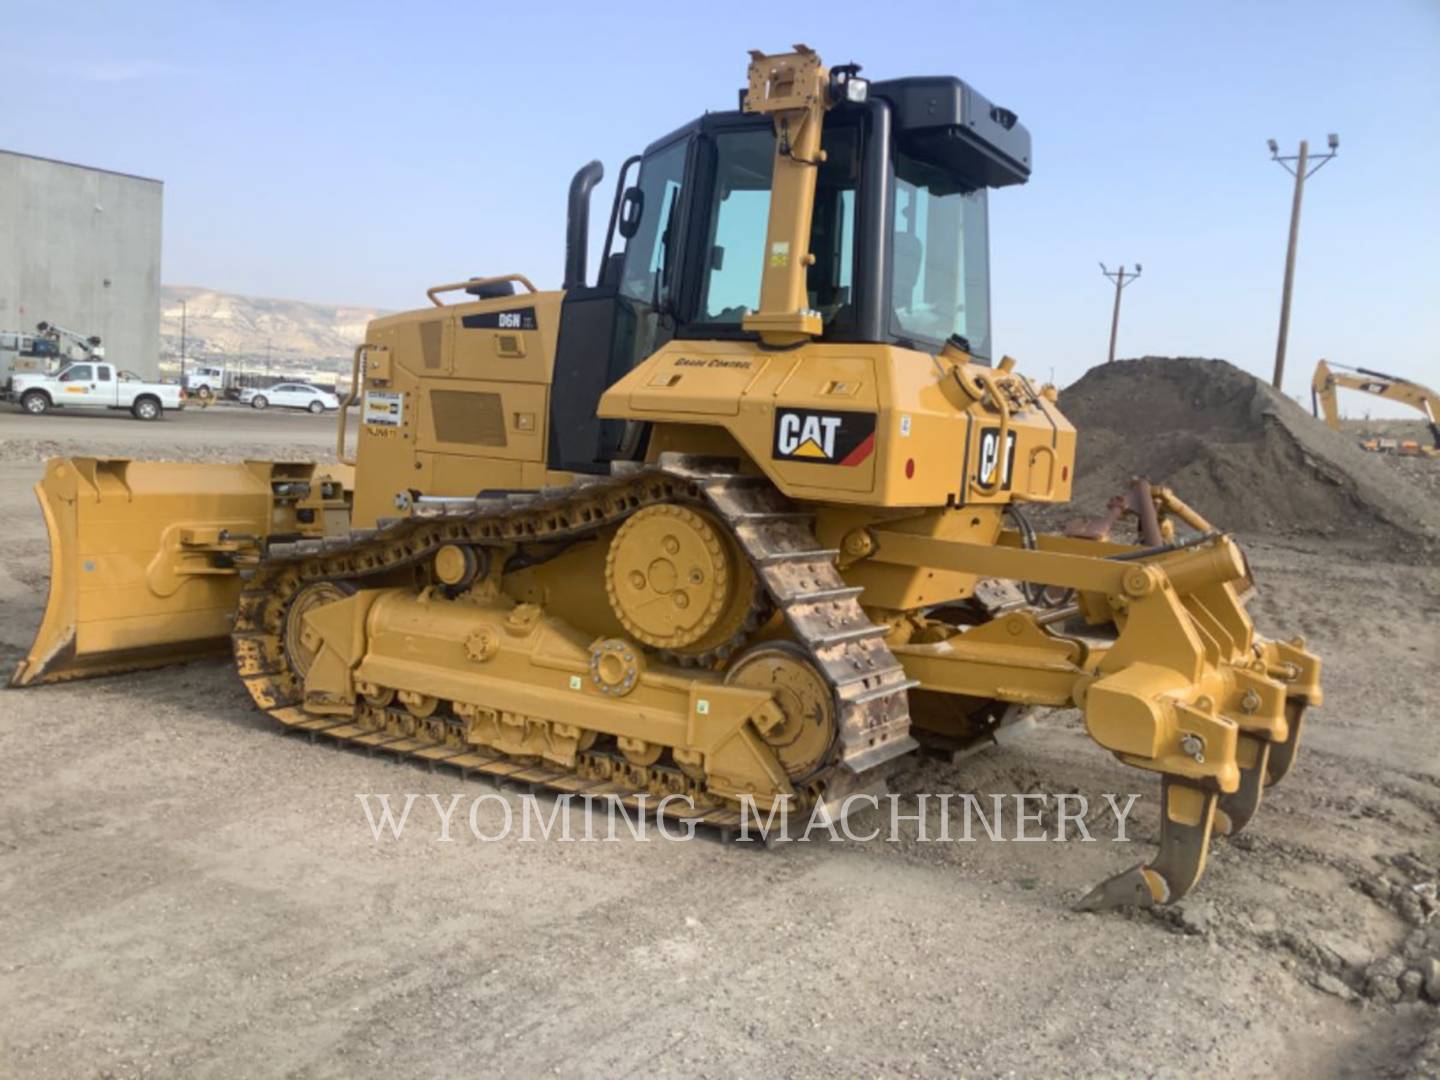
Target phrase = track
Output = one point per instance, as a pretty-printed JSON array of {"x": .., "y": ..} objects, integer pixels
[{"x": 823, "y": 614}]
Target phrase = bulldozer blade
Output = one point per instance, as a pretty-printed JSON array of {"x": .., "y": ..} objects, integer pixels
[
  {"x": 1187, "y": 816},
  {"x": 142, "y": 569}
]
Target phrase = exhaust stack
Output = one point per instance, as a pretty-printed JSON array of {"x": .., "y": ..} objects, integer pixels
[{"x": 577, "y": 224}]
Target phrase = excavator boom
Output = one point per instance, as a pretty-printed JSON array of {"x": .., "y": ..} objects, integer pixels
[{"x": 1329, "y": 378}]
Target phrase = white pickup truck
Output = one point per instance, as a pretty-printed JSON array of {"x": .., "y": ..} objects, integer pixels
[{"x": 94, "y": 385}]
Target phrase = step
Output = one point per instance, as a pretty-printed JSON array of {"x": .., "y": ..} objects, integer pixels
[
  {"x": 752, "y": 517},
  {"x": 884, "y": 690},
  {"x": 882, "y": 673},
  {"x": 771, "y": 558},
  {"x": 839, "y": 637},
  {"x": 818, "y": 596}
]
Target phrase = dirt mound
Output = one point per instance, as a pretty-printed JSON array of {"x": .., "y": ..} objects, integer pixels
[{"x": 1245, "y": 456}]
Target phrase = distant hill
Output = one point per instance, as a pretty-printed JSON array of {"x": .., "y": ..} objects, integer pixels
[{"x": 234, "y": 330}]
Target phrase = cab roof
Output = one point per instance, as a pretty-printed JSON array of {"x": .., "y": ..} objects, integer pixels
[{"x": 938, "y": 118}]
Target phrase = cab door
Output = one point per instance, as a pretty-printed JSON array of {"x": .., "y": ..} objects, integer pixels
[
  {"x": 79, "y": 384},
  {"x": 105, "y": 390},
  {"x": 608, "y": 329}
]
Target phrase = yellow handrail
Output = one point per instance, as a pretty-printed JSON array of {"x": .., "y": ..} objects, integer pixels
[
  {"x": 360, "y": 351},
  {"x": 989, "y": 379},
  {"x": 521, "y": 278}
]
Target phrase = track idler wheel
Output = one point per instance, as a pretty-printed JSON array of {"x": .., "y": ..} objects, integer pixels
[
  {"x": 300, "y": 650},
  {"x": 803, "y": 740},
  {"x": 1186, "y": 819}
]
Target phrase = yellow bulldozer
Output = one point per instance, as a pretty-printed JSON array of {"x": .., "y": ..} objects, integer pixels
[{"x": 741, "y": 520}]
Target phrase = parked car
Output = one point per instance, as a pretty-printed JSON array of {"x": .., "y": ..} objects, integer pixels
[
  {"x": 290, "y": 396},
  {"x": 92, "y": 385}
]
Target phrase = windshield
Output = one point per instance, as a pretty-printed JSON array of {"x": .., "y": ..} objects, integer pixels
[
  {"x": 941, "y": 283},
  {"x": 740, "y": 215}
]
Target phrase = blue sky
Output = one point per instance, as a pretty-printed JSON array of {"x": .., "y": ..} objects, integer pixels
[{"x": 356, "y": 153}]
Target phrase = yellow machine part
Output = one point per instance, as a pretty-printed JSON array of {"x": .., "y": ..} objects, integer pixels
[
  {"x": 1329, "y": 378},
  {"x": 143, "y": 559}
]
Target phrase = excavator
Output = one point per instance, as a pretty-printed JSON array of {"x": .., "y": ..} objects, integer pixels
[
  {"x": 1328, "y": 378},
  {"x": 741, "y": 519}
]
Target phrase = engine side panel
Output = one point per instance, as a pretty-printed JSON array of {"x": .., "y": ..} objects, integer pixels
[
  {"x": 862, "y": 424},
  {"x": 456, "y": 401}
]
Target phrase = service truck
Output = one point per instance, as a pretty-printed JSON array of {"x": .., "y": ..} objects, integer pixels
[
  {"x": 205, "y": 381},
  {"x": 94, "y": 385}
]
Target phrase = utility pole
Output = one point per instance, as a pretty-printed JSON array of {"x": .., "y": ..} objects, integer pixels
[
  {"x": 1120, "y": 280},
  {"x": 267, "y": 360},
  {"x": 1304, "y": 167},
  {"x": 182, "y": 343}
]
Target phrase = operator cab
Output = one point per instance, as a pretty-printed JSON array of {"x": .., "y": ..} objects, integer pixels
[{"x": 899, "y": 238}]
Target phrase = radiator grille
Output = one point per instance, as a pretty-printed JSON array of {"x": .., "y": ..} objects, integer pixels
[
  {"x": 462, "y": 416},
  {"x": 430, "y": 340}
]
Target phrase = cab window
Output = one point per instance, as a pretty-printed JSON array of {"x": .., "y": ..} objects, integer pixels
[
  {"x": 940, "y": 281},
  {"x": 649, "y": 254},
  {"x": 103, "y": 373},
  {"x": 830, "y": 279},
  {"x": 739, "y": 216},
  {"x": 78, "y": 373},
  {"x": 649, "y": 272}
]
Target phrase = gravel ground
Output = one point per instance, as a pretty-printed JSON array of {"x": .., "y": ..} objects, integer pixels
[{"x": 185, "y": 891}]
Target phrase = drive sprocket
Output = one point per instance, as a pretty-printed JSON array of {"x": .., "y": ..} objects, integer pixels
[{"x": 677, "y": 581}]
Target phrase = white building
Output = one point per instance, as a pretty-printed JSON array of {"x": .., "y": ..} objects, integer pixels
[{"x": 80, "y": 248}]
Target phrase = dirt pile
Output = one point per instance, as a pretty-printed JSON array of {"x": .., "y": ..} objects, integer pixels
[{"x": 1244, "y": 455}]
